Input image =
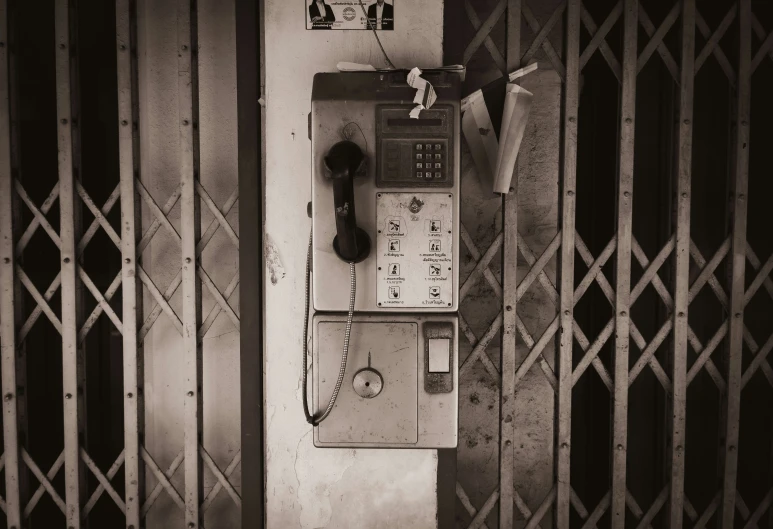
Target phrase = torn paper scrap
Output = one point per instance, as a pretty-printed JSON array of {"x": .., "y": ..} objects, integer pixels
[
  {"x": 514, "y": 118},
  {"x": 523, "y": 71},
  {"x": 425, "y": 95},
  {"x": 481, "y": 136}
]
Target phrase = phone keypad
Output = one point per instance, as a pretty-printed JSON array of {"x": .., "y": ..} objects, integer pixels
[
  {"x": 427, "y": 152},
  {"x": 415, "y": 162}
]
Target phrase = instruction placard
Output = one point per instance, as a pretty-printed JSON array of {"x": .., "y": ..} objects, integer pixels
[
  {"x": 414, "y": 242},
  {"x": 350, "y": 14}
]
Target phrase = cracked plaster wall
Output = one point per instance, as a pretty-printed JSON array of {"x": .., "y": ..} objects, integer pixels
[{"x": 308, "y": 487}]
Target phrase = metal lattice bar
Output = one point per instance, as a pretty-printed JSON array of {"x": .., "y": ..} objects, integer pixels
[
  {"x": 488, "y": 42},
  {"x": 104, "y": 484},
  {"x": 738, "y": 264},
  {"x": 104, "y": 481},
  {"x": 712, "y": 44},
  {"x": 682, "y": 267},
  {"x": 598, "y": 41},
  {"x": 547, "y": 47},
  {"x": 623, "y": 286},
  {"x": 567, "y": 300},
  {"x": 507, "y": 409},
  {"x": 7, "y": 292},
  {"x": 484, "y": 30},
  {"x": 541, "y": 37},
  {"x": 221, "y": 477},
  {"x": 163, "y": 478},
  {"x": 163, "y": 481},
  {"x": 126, "y": 77},
  {"x": 45, "y": 482},
  {"x": 187, "y": 87},
  {"x": 221, "y": 483},
  {"x": 656, "y": 40},
  {"x": 68, "y": 268}
]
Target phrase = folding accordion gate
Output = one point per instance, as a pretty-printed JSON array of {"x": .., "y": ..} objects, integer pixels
[
  {"x": 635, "y": 387},
  {"x": 701, "y": 362},
  {"x": 48, "y": 220}
]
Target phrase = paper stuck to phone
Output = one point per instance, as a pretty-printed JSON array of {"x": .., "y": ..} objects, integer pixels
[{"x": 425, "y": 95}]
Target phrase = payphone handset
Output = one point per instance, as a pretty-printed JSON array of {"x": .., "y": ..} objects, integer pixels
[{"x": 384, "y": 256}]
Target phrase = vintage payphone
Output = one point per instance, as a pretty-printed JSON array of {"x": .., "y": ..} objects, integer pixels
[{"x": 384, "y": 258}]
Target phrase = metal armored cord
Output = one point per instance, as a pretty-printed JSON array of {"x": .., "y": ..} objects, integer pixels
[{"x": 314, "y": 421}]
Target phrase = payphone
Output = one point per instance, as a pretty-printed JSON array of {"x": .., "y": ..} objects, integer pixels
[{"x": 384, "y": 258}]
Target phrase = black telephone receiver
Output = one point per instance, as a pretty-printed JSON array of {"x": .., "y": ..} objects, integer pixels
[{"x": 343, "y": 161}]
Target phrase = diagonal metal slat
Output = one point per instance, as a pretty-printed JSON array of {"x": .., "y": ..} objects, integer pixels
[
  {"x": 598, "y": 512},
  {"x": 484, "y": 30},
  {"x": 488, "y": 42},
  {"x": 480, "y": 266},
  {"x": 41, "y": 302},
  {"x": 712, "y": 44},
  {"x": 217, "y": 213},
  {"x": 111, "y": 472},
  {"x": 759, "y": 31},
  {"x": 104, "y": 482},
  {"x": 656, "y": 40},
  {"x": 101, "y": 301},
  {"x": 221, "y": 478},
  {"x": 97, "y": 312},
  {"x": 467, "y": 504},
  {"x": 480, "y": 517},
  {"x": 34, "y": 224},
  {"x": 164, "y": 482},
  {"x": 158, "y": 213},
  {"x": 39, "y": 216},
  {"x": 45, "y": 482},
  {"x": 161, "y": 301},
  {"x": 598, "y": 41},
  {"x": 547, "y": 47},
  {"x": 229, "y": 470},
  {"x": 758, "y": 360},
  {"x": 99, "y": 217},
  {"x": 755, "y": 262},
  {"x": 219, "y": 298},
  {"x": 479, "y": 350},
  {"x": 214, "y": 225},
  {"x": 763, "y": 51},
  {"x": 216, "y": 309},
  {"x": 543, "y": 33},
  {"x": 156, "y": 224}
]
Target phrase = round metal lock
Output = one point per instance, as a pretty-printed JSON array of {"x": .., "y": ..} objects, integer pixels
[{"x": 368, "y": 383}]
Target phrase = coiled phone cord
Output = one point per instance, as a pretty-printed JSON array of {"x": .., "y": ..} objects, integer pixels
[{"x": 314, "y": 421}]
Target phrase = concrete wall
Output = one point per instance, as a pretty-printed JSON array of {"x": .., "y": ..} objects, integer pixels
[
  {"x": 163, "y": 392},
  {"x": 309, "y": 487}
]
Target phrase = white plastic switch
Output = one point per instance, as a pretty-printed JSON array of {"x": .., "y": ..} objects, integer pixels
[{"x": 439, "y": 355}]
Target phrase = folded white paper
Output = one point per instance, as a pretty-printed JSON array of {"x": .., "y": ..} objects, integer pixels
[
  {"x": 514, "y": 118},
  {"x": 495, "y": 158}
]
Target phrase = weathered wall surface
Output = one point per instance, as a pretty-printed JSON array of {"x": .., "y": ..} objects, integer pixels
[
  {"x": 163, "y": 349},
  {"x": 309, "y": 487}
]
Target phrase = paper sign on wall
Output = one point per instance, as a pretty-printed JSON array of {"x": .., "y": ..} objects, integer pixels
[{"x": 342, "y": 14}]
